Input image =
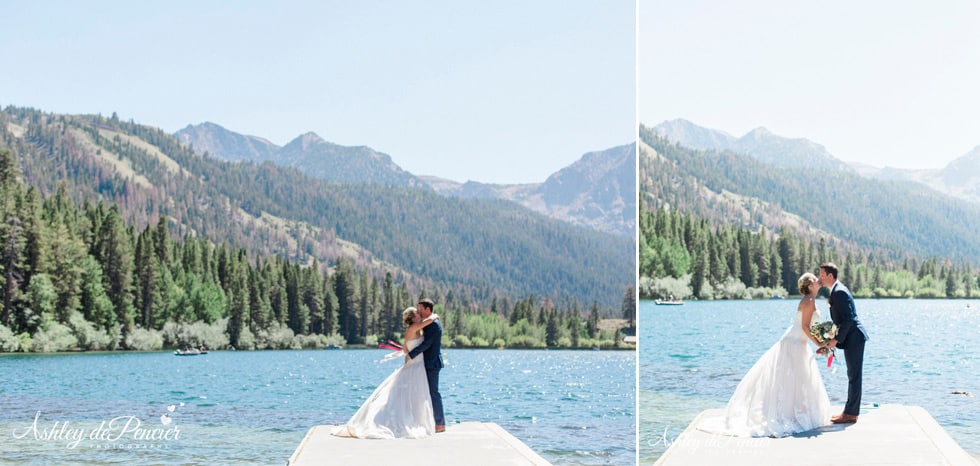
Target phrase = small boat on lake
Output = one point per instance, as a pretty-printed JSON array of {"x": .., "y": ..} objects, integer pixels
[
  {"x": 193, "y": 352},
  {"x": 668, "y": 302}
]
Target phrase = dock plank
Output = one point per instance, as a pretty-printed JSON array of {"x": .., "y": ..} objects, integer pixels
[
  {"x": 465, "y": 443},
  {"x": 890, "y": 434}
]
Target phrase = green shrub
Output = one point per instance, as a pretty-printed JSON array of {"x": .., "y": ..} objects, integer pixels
[
  {"x": 246, "y": 340},
  {"x": 309, "y": 342},
  {"x": 88, "y": 336},
  {"x": 52, "y": 337},
  {"x": 181, "y": 335},
  {"x": 142, "y": 339},
  {"x": 277, "y": 336},
  {"x": 8, "y": 341},
  {"x": 335, "y": 339},
  {"x": 524, "y": 341},
  {"x": 480, "y": 342}
]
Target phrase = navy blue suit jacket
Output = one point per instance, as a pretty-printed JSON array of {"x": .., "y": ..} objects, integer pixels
[
  {"x": 431, "y": 346},
  {"x": 843, "y": 313}
]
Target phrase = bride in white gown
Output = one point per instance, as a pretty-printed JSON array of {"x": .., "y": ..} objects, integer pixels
[
  {"x": 783, "y": 393},
  {"x": 401, "y": 406}
]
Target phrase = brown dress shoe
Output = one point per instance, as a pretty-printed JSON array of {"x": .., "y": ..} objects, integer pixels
[
  {"x": 844, "y": 418},
  {"x": 440, "y": 429}
]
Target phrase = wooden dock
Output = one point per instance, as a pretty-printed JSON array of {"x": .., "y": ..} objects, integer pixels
[
  {"x": 466, "y": 443},
  {"x": 889, "y": 435}
]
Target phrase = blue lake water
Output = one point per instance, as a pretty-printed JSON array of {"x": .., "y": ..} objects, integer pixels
[
  {"x": 692, "y": 357},
  {"x": 245, "y": 407}
]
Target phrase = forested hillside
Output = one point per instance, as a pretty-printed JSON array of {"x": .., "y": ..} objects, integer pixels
[
  {"x": 876, "y": 216},
  {"x": 79, "y": 278},
  {"x": 480, "y": 257},
  {"x": 480, "y": 248},
  {"x": 717, "y": 225},
  {"x": 597, "y": 191}
]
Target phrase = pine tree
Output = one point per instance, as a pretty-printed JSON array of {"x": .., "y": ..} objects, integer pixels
[
  {"x": 574, "y": 327},
  {"x": 238, "y": 307},
  {"x": 363, "y": 308},
  {"x": 389, "y": 312},
  {"x": 345, "y": 287},
  {"x": 147, "y": 280},
  {"x": 312, "y": 292},
  {"x": 552, "y": 330},
  {"x": 96, "y": 306},
  {"x": 593, "y": 322},
  {"x": 331, "y": 308},
  {"x": 116, "y": 255},
  {"x": 629, "y": 305},
  {"x": 11, "y": 263}
]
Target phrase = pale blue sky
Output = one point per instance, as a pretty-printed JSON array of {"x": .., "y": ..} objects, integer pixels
[
  {"x": 492, "y": 91},
  {"x": 882, "y": 82}
]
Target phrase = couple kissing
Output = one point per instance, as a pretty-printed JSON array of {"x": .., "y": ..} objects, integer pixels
[{"x": 407, "y": 404}]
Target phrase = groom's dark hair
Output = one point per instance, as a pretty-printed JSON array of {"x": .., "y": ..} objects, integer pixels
[
  {"x": 830, "y": 269},
  {"x": 427, "y": 303}
]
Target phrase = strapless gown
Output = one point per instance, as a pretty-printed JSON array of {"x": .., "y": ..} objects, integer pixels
[
  {"x": 399, "y": 408},
  {"x": 782, "y": 394}
]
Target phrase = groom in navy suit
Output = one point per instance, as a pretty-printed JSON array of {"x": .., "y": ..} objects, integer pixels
[
  {"x": 431, "y": 350},
  {"x": 850, "y": 338}
]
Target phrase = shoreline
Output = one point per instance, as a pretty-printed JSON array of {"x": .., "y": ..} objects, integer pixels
[{"x": 351, "y": 347}]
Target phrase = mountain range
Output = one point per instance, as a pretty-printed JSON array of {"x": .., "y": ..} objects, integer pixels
[
  {"x": 308, "y": 152},
  {"x": 760, "y": 143},
  {"x": 598, "y": 191},
  {"x": 840, "y": 207},
  {"x": 960, "y": 178},
  {"x": 478, "y": 249}
]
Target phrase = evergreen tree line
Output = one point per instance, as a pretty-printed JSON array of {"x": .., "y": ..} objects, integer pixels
[
  {"x": 687, "y": 257},
  {"x": 483, "y": 249},
  {"x": 79, "y": 277}
]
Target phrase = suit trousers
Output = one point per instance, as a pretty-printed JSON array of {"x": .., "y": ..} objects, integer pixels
[
  {"x": 432, "y": 374},
  {"x": 854, "y": 356}
]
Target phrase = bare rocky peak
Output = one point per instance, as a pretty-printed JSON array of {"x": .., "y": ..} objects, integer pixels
[{"x": 760, "y": 143}]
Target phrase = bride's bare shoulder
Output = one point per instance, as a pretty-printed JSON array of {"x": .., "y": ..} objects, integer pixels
[{"x": 806, "y": 303}]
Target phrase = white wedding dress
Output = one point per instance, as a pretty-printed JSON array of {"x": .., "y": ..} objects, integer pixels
[
  {"x": 399, "y": 408},
  {"x": 782, "y": 394}
]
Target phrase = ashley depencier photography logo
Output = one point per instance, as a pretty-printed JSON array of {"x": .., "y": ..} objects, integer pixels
[
  {"x": 729, "y": 443},
  {"x": 122, "y": 432}
]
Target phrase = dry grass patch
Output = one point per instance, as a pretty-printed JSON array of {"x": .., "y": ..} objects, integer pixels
[{"x": 122, "y": 166}]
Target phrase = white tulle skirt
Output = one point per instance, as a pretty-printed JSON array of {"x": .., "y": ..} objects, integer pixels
[
  {"x": 399, "y": 408},
  {"x": 782, "y": 394}
]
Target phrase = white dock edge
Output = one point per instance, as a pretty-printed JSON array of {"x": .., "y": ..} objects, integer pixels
[
  {"x": 891, "y": 434},
  {"x": 482, "y": 443}
]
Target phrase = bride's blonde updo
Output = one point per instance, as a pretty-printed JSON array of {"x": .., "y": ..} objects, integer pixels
[
  {"x": 805, "y": 281},
  {"x": 408, "y": 315}
]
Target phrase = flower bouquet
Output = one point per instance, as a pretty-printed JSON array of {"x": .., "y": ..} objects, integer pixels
[{"x": 824, "y": 332}]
